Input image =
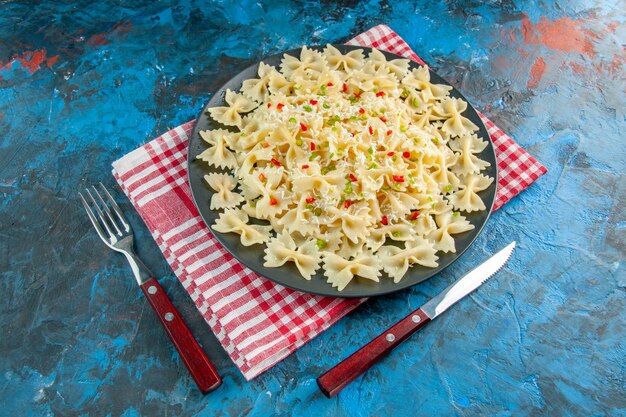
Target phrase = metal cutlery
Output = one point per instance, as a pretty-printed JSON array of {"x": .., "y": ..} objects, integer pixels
[
  {"x": 337, "y": 378},
  {"x": 115, "y": 231}
]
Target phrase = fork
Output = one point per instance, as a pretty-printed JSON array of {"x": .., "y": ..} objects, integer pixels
[{"x": 115, "y": 231}]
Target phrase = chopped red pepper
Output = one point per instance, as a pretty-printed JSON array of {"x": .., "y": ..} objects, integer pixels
[
  {"x": 380, "y": 94},
  {"x": 383, "y": 119},
  {"x": 347, "y": 203},
  {"x": 384, "y": 221},
  {"x": 279, "y": 106},
  {"x": 273, "y": 201},
  {"x": 390, "y": 154},
  {"x": 329, "y": 84},
  {"x": 303, "y": 127},
  {"x": 361, "y": 110},
  {"x": 352, "y": 177},
  {"x": 269, "y": 105},
  {"x": 310, "y": 200},
  {"x": 415, "y": 215},
  {"x": 266, "y": 145},
  {"x": 313, "y": 102},
  {"x": 312, "y": 146},
  {"x": 261, "y": 177},
  {"x": 406, "y": 154},
  {"x": 371, "y": 130},
  {"x": 305, "y": 166},
  {"x": 398, "y": 178},
  {"x": 357, "y": 95},
  {"x": 345, "y": 88},
  {"x": 389, "y": 132},
  {"x": 275, "y": 162}
]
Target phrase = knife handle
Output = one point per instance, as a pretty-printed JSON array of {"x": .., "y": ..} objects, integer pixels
[
  {"x": 193, "y": 356},
  {"x": 346, "y": 371}
]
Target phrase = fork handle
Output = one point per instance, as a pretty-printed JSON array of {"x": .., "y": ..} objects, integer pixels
[{"x": 193, "y": 356}]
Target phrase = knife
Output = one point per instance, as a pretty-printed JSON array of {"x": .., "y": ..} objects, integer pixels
[{"x": 334, "y": 380}]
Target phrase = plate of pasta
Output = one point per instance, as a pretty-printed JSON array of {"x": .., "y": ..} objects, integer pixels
[{"x": 342, "y": 170}]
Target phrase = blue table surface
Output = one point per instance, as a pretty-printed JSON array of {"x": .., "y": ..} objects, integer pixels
[{"x": 82, "y": 83}]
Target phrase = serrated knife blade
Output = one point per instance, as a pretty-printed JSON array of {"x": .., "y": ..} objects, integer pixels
[{"x": 467, "y": 283}]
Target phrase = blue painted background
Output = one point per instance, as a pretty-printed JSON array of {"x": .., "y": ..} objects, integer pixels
[{"x": 83, "y": 83}]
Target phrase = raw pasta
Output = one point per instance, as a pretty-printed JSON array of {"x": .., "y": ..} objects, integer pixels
[
  {"x": 236, "y": 221},
  {"x": 224, "y": 197},
  {"x": 359, "y": 164},
  {"x": 282, "y": 249}
]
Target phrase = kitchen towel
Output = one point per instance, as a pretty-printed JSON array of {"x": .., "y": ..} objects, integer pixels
[{"x": 257, "y": 321}]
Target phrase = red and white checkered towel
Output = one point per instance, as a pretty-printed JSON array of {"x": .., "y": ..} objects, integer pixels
[{"x": 257, "y": 321}]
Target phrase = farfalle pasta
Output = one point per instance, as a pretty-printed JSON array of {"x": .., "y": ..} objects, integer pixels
[
  {"x": 350, "y": 163},
  {"x": 224, "y": 196}
]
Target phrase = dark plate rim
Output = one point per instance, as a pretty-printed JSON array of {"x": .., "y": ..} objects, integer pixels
[{"x": 332, "y": 291}]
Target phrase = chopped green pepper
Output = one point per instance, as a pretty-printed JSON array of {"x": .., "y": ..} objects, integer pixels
[
  {"x": 333, "y": 120},
  {"x": 328, "y": 169},
  {"x": 321, "y": 244}
]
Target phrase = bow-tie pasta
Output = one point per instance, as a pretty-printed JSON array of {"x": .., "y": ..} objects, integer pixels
[
  {"x": 349, "y": 161},
  {"x": 396, "y": 261},
  {"x": 282, "y": 249},
  {"x": 231, "y": 114},
  {"x": 236, "y": 221},
  {"x": 224, "y": 196},
  {"x": 341, "y": 271}
]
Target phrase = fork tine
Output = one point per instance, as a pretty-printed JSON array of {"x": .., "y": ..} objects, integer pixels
[
  {"x": 102, "y": 219},
  {"x": 93, "y": 219},
  {"x": 106, "y": 209},
  {"x": 116, "y": 208}
]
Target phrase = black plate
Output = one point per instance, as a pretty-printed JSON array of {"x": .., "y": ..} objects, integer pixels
[{"x": 288, "y": 275}]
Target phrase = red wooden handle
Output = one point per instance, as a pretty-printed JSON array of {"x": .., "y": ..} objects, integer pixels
[
  {"x": 190, "y": 351},
  {"x": 360, "y": 361}
]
